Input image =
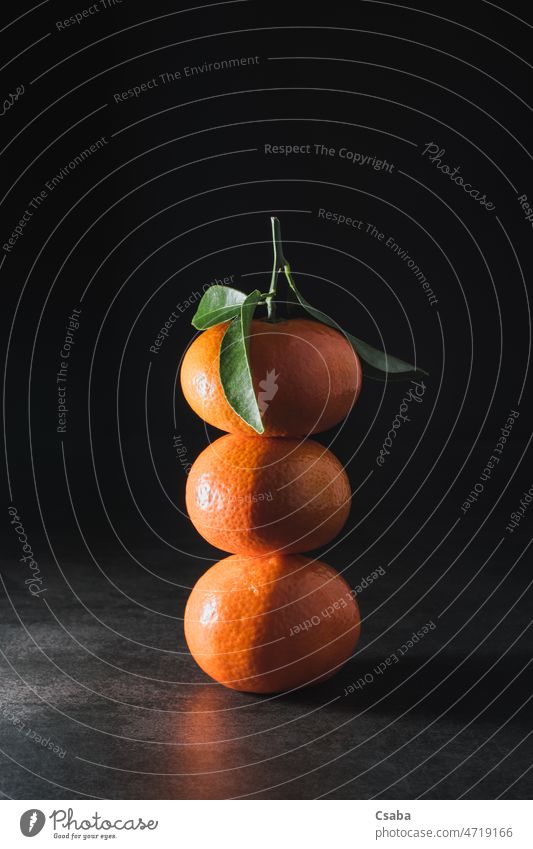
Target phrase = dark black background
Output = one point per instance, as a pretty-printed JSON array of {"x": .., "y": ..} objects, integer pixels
[{"x": 180, "y": 195}]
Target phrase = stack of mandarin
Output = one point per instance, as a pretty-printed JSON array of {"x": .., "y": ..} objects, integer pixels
[{"x": 270, "y": 618}]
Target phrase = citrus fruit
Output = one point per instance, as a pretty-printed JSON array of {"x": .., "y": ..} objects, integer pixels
[
  {"x": 249, "y": 495},
  {"x": 270, "y": 624},
  {"x": 306, "y": 377}
]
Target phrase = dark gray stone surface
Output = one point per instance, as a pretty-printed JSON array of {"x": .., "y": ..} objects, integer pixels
[{"x": 109, "y": 681}]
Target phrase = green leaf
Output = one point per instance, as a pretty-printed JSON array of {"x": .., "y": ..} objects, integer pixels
[
  {"x": 218, "y": 304},
  {"x": 234, "y": 364},
  {"x": 376, "y": 364}
]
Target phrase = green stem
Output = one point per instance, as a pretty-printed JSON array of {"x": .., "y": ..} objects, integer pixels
[{"x": 278, "y": 264}]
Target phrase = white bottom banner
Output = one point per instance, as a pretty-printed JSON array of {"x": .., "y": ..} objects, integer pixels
[{"x": 260, "y": 824}]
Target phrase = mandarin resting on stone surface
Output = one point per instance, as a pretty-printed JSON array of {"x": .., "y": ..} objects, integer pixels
[
  {"x": 306, "y": 377},
  {"x": 272, "y": 623},
  {"x": 254, "y": 495}
]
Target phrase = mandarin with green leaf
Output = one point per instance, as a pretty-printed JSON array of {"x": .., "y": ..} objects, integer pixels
[{"x": 306, "y": 377}]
